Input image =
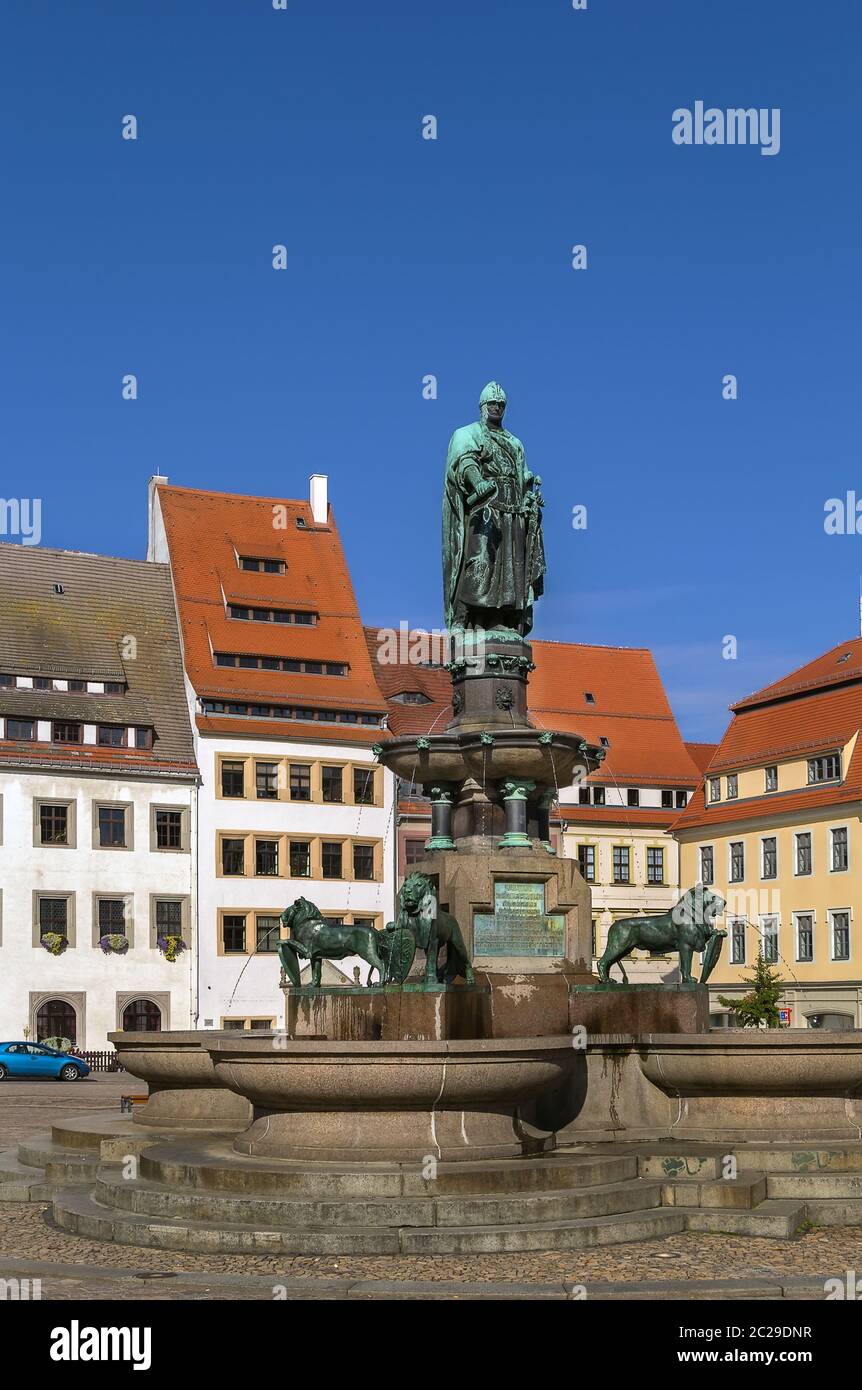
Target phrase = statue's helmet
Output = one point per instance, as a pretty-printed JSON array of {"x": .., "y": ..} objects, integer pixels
[{"x": 492, "y": 392}]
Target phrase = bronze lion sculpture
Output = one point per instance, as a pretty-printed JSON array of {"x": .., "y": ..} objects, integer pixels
[
  {"x": 313, "y": 938},
  {"x": 431, "y": 928},
  {"x": 686, "y": 928}
]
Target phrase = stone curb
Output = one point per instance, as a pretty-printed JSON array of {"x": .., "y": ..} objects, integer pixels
[{"x": 796, "y": 1287}]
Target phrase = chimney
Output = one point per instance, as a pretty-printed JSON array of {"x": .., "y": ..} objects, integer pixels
[{"x": 318, "y": 488}]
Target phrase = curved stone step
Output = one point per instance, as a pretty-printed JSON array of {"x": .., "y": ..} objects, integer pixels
[
  {"x": 58, "y": 1165},
  {"x": 76, "y": 1210},
  {"x": 215, "y": 1167},
  {"x": 155, "y": 1199},
  {"x": 815, "y": 1185},
  {"x": 823, "y": 1211},
  {"x": 777, "y": 1219}
]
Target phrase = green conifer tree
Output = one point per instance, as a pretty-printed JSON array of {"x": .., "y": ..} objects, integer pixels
[{"x": 758, "y": 1008}]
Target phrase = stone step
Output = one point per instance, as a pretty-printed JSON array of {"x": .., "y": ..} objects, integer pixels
[
  {"x": 153, "y": 1199},
  {"x": 827, "y": 1211},
  {"x": 76, "y": 1210},
  {"x": 777, "y": 1219},
  {"x": 788, "y": 1159},
  {"x": 214, "y": 1167},
  {"x": 816, "y": 1184},
  {"x": 679, "y": 1167},
  {"x": 19, "y": 1182},
  {"x": 58, "y": 1166},
  {"x": 743, "y": 1192}
]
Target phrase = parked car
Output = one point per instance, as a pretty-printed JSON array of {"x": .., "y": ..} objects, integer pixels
[{"x": 32, "y": 1060}]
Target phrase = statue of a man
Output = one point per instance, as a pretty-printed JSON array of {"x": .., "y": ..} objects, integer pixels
[{"x": 493, "y": 552}]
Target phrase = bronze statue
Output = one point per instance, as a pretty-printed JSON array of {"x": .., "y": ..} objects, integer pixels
[
  {"x": 313, "y": 938},
  {"x": 493, "y": 551},
  {"x": 420, "y": 917},
  {"x": 686, "y": 928}
]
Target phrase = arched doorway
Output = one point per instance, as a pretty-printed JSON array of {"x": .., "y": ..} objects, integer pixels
[
  {"x": 142, "y": 1016},
  {"x": 56, "y": 1018}
]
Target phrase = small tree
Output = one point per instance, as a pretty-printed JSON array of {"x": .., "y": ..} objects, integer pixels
[{"x": 758, "y": 1008}]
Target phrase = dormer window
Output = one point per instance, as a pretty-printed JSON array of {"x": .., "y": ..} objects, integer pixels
[
  {"x": 589, "y": 697},
  {"x": 260, "y": 565}
]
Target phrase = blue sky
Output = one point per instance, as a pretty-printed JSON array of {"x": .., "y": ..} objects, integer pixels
[{"x": 409, "y": 257}]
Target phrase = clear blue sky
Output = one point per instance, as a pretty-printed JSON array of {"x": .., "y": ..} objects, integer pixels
[{"x": 452, "y": 257}]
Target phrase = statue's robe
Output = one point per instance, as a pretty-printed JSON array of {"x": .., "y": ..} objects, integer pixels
[{"x": 493, "y": 553}]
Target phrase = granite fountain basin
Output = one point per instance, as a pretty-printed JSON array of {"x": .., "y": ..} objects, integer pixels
[
  {"x": 390, "y": 1101},
  {"x": 185, "y": 1092}
]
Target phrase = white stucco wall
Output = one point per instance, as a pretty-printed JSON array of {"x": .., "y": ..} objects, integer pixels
[{"x": 139, "y": 872}]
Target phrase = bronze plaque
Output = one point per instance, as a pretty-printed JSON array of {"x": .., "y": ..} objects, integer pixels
[{"x": 519, "y": 925}]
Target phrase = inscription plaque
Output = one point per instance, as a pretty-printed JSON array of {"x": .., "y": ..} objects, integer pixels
[{"x": 519, "y": 925}]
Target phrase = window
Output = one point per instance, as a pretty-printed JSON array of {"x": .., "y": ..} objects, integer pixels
[
  {"x": 605, "y": 742},
  {"x": 363, "y": 786},
  {"x": 771, "y": 784},
  {"x": 54, "y": 916},
  {"x": 266, "y": 781},
  {"x": 143, "y": 737},
  {"x": 267, "y": 932},
  {"x": 261, "y": 566},
  {"x": 715, "y": 788},
  {"x": 803, "y": 852},
  {"x": 77, "y": 685},
  {"x": 826, "y": 769},
  {"x": 266, "y": 858},
  {"x": 20, "y": 729},
  {"x": 112, "y": 916},
  {"x": 232, "y": 856},
  {"x": 804, "y": 936},
  {"x": 769, "y": 931},
  {"x": 233, "y": 932},
  {"x": 732, "y": 786},
  {"x": 363, "y": 861},
  {"x": 114, "y": 687},
  {"x": 769, "y": 853},
  {"x": 737, "y": 942},
  {"x": 707, "y": 865},
  {"x": 667, "y": 800},
  {"x": 681, "y": 799},
  {"x": 271, "y": 615},
  {"x": 598, "y": 796},
  {"x": 111, "y": 824},
  {"x": 300, "y": 859},
  {"x": 54, "y": 825},
  {"x": 655, "y": 865},
  {"x": 7, "y": 682},
  {"x": 64, "y": 732},
  {"x": 169, "y": 829},
  {"x": 331, "y": 783},
  {"x": 589, "y": 697},
  {"x": 232, "y": 778},
  {"x": 633, "y": 796},
  {"x": 840, "y": 935},
  {"x": 331, "y": 852},
  {"x": 839, "y": 849},
  {"x": 414, "y": 852},
  {"x": 300, "y": 782},
  {"x": 169, "y": 917},
  {"x": 737, "y": 861},
  {"x": 587, "y": 862},
  {"x": 584, "y": 796},
  {"x": 42, "y": 683},
  {"x": 621, "y": 864},
  {"x": 110, "y": 736}
]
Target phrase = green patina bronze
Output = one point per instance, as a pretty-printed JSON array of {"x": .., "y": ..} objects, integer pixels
[
  {"x": 420, "y": 916},
  {"x": 686, "y": 928},
  {"x": 493, "y": 550},
  {"x": 313, "y": 938}
]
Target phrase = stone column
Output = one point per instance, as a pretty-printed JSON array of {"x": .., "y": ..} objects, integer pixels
[
  {"x": 441, "y": 819},
  {"x": 515, "y": 794},
  {"x": 543, "y": 814}
]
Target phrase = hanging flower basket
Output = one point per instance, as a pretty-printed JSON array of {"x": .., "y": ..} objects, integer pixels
[
  {"x": 115, "y": 943},
  {"x": 171, "y": 946},
  {"x": 54, "y": 942}
]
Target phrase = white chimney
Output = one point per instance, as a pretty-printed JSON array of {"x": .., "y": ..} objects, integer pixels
[{"x": 318, "y": 485}]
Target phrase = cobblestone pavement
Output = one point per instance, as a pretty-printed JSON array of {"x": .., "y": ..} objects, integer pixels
[{"x": 26, "y": 1235}]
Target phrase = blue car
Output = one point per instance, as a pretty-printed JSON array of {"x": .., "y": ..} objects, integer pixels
[{"x": 31, "y": 1060}]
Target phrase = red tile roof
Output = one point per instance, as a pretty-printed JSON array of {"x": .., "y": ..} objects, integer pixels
[
  {"x": 811, "y": 711},
  {"x": 702, "y": 754},
  {"x": 630, "y": 706},
  {"x": 207, "y": 577}
]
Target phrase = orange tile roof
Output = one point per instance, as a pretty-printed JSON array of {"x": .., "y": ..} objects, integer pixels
[
  {"x": 207, "y": 577},
  {"x": 702, "y": 754},
  {"x": 811, "y": 711},
  {"x": 631, "y": 708}
]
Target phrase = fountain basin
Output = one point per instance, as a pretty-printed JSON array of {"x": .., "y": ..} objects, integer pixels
[
  {"x": 184, "y": 1090},
  {"x": 513, "y": 753},
  {"x": 391, "y": 1101}
]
